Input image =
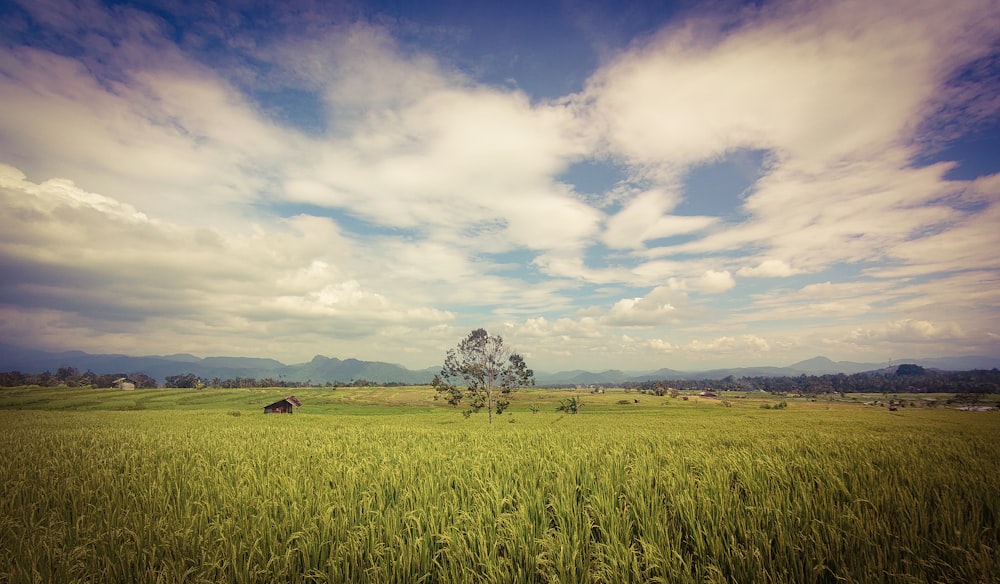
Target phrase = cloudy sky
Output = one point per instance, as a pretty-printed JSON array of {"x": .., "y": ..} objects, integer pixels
[{"x": 607, "y": 185}]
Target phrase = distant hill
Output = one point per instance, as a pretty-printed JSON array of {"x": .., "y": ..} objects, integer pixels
[
  {"x": 320, "y": 370},
  {"x": 581, "y": 377},
  {"x": 663, "y": 373},
  {"x": 323, "y": 369},
  {"x": 748, "y": 372},
  {"x": 955, "y": 363},
  {"x": 239, "y": 363},
  {"x": 824, "y": 366}
]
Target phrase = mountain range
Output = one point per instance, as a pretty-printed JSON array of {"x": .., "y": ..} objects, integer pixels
[{"x": 323, "y": 369}]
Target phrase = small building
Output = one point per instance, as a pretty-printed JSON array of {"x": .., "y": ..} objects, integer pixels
[
  {"x": 124, "y": 383},
  {"x": 282, "y": 406}
]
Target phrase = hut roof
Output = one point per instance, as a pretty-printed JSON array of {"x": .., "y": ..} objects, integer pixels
[{"x": 292, "y": 400}]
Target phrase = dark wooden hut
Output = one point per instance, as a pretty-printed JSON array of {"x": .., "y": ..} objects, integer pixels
[{"x": 282, "y": 406}]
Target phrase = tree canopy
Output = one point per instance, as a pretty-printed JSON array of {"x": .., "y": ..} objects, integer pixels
[
  {"x": 910, "y": 369},
  {"x": 483, "y": 371}
]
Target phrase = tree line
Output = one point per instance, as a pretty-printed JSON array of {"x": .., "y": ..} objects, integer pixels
[
  {"x": 73, "y": 377},
  {"x": 906, "y": 379},
  {"x": 190, "y": 380}
]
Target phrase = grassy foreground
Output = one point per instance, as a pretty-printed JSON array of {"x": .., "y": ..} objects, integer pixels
[{"x": 385, "y": 486}]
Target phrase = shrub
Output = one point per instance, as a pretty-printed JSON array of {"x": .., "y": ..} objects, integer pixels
[{"x": 569, "y": 405}]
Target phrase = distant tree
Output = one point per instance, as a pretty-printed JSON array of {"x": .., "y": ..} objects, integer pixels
[
  {"x": 187, "y": 380},
  {"x": 107, "y": 379},
  {"x": 142, "y": 380},
  {"x": 910, "y": 369},
  {"x": 13, "y": 379},
  {"x": 487, "y": 370},
  {"x": 67, "y": 375},
  {"x": 87, "y": 378}
]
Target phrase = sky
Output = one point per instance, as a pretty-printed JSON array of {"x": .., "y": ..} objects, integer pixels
[{"x": 606, "y": 185}]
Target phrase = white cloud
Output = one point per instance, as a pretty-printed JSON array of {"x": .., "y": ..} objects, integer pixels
[
  {"x": 55, "y": 193},
  {"x": 822, "y": 300},
  {"x": 179, "y": 142},
  {"x": 157, "y": 193},
  {"x": 662, "y": 305},
  {"x": 83, "y": 265},
  {"x": 969, "y": 243},
  {"x": 796, "y": 78},
  {"x": 436, "y": 153},
  {"x": 564, "y": 329},
  {"x": 730, "y": 344},
  {"x": 909, "y": 331},
  {"x": 834, "y": 92},
  {"x": 767, "y": 269},
  {"x": 647, "y": 217},
  {"x": 640, "y": 312},
  {"x": 714, "y": 282},
  {"x": 360, "y": 68}
]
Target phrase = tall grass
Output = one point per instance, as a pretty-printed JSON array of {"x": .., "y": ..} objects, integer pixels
[{"x": 707, "y": 495}]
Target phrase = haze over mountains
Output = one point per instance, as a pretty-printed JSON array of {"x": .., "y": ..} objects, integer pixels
[{"x": 322, "y": 369}]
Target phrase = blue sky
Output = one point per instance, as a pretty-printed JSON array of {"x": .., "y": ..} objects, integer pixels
[{"x": 683, "y": 185}]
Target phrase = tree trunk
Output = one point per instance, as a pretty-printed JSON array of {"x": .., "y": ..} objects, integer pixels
[{"x": 490, "y": 388}]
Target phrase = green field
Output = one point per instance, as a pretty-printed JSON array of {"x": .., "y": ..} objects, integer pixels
[{"x": 387, "y": 485}]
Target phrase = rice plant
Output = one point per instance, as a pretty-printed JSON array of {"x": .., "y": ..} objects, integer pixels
[{"x": 693, "y": 494}]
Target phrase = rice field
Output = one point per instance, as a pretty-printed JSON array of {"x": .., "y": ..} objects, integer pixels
[{"x": 403, "y": 490}]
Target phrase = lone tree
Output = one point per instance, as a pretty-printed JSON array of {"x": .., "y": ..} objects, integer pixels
[{"x": 483, "y": 370}]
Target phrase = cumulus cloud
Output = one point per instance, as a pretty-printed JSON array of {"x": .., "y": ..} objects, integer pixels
[
  {"x": 438, "y": 154},
  {"x": 714, "y": 282},
  {"x": 640, "y": 312},
  {"x": 181, "y": 143},
  {"x": 796, "y": 78},
  {"x": 834, "y": 92},
  {"x": 80, "y": 261},
  {"x": 54, "y": 193},
  {"x": 668, "y": 304}
]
